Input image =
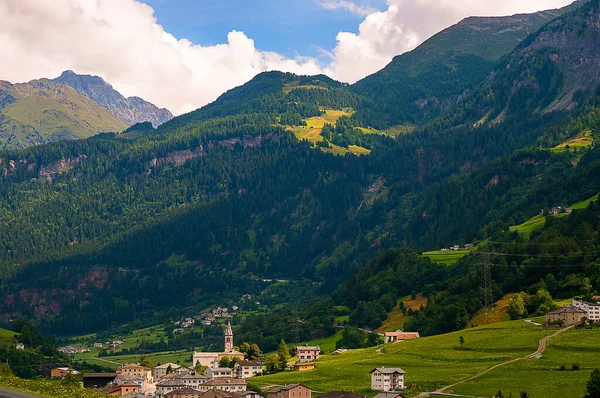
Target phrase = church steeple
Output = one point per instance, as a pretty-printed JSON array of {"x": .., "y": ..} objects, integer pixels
[{"x": 228, "y": 338}]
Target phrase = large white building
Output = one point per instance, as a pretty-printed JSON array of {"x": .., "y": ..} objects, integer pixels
[
  {"x": 387, "y": 379},
  {"x": 592, "y": 309}
]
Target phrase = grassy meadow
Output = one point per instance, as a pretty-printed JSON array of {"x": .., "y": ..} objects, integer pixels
[
  {"x": 430, "y": 362},
  {"x": 44, "y": 388},
  {"x": 7, "y": 337},
  {"x": 396, "y": 318},
  {"x": 537, "y": 222},
  {"x": 446, "y": 257},
  {"x": 314, "y": 125},
  {"x": 583, "y": 140},
  {"x": 542, "y": 377}
]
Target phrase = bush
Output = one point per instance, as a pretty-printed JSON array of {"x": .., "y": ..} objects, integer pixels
[
  {"x": 562, "y": 368},
  {"x": 575, "y": 366}
]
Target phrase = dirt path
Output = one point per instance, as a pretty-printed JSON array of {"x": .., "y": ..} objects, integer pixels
[{"x": 541, "y": 348}]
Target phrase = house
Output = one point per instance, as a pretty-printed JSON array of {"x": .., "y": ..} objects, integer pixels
[
  {"x": 245, "y": 369},
  {"x": 191, "y": 380},
  {"x": 387, "y": 379},
  {"x": 342, "y": 394},
  {"x": 140, "y": 381},
  {"x": 133, "y": 369},
  {"x": 247, "y": 394},
  {"x": 302, "y": 366},
  {"x": 135, "y": 395},
  {"x": 160, "y": 371},
  {"x": 399, "y": 335},
  {"x": 184, "y": 393},
  {"x": 568, "y": 315},
  {"x": 212, "y": 359},
  {"x": 165, "y": 387},
  {"x": 308, "y": 353},
  {"x": 592, "y": 310},
  {"x": 98, "y": 380},
  {"x": 389, "y": 395},
  {"x": 121, "y": 390},
  {"x": 291, "y": 391},
  {"x": 224, "y": 384},
  {"x": 98, "y": 345},
  {"x": 215, "y": 373},
  {"x": 59, "y": 373},
  {"x": 20, "y": 346}
]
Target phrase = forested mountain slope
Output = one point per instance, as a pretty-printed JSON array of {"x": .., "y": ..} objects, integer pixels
[
  {"x": 421, "y": 84},
  {"x": 210, "y": 204},
  {"x": 42, "y": 111},
  {"x": 554, "y": 70}
]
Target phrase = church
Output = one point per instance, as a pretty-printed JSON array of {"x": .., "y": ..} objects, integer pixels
[{"x": 212, "y": 359}]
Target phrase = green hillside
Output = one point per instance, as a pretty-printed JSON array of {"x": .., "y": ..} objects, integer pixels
[
  {"x": 416, "y": 86},
  {"x": 42, "y": 111},
  {"x": 537, "y": 222},
  {"x": 7, "y": 337},
  {"x": 434, "y": 362}
]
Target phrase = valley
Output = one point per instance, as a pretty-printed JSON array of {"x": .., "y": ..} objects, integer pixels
[{"x": 434, "y": 226}]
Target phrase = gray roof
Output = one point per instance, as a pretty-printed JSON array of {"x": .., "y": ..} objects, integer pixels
[
  {"x": 309, "y": 347},
  {"x": 389, "y": 370},
  {"x": 570, "y": 308},
  {"x": 388, "y": 395}
]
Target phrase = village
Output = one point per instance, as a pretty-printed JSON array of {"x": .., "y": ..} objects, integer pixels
[{"x": 207, "y": 377}]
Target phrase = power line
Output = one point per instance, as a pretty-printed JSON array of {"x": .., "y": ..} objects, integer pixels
[{"x": 538, "y": 255}]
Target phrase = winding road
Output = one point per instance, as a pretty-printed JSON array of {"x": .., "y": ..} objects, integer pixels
[{"x": 541, "y": 348}]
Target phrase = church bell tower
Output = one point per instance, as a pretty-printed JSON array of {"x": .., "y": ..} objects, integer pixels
[{"x": 228, "y": 338}]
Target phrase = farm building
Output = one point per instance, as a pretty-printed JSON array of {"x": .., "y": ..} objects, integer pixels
[{"x": 568, "y": 315}]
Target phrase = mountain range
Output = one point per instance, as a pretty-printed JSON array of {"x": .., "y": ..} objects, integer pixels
[
  {"x": 212, "y": 205},
  {"x": 130, "y": 110},
  {"x": 67, "y": 108}
]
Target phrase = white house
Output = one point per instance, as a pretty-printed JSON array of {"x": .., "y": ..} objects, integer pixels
[
  {"x": 216, "y": 373},
  {"x": 245, "y": 369},
  {"x": 387, "y": 379},
  {"x": 592, "y": 309}
]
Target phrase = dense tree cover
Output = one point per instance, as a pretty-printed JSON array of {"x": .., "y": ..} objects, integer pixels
[
  {"x": 120, "y": 228},
  {"x": 39, "y": 356},
  {"x": 356, "y": 338},
  {"x": 561, "y": 260}
]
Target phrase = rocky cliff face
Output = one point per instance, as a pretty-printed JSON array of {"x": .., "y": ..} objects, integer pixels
[
  {"x": 555, "y": 69},
  {"x": 130, "y": 110}
]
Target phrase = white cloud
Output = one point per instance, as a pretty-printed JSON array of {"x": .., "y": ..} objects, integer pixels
[
  {"x": 406, "y": 24},
  {"x": 350, "y": 6},
  {"x": 121, "y": 41}
]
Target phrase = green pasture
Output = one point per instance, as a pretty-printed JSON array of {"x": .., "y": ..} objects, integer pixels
[
  {"x": 446, "y": 257},
  {"x": 430, "y": 362}
]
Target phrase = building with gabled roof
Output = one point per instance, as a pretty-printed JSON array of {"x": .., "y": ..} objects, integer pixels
[
  {"x": 291, "y": 391},
  {"x": 399, "y": 335},
  {"x": 308, "y": 353},
  {"x": 568, "y": 315},
  {"x": 387, "y": 379}
]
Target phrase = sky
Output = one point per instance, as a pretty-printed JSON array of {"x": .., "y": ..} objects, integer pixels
[{"x": 183, "y": 54}]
